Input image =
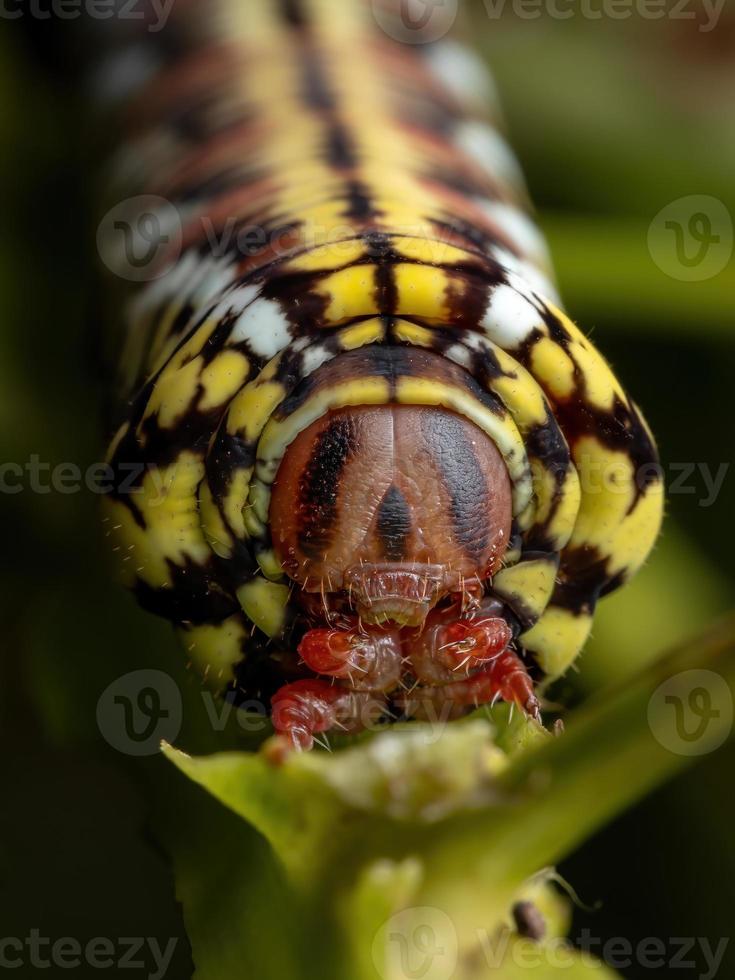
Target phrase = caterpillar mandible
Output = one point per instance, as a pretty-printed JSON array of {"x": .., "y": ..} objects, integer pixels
[{"x": 379, "y": 468}]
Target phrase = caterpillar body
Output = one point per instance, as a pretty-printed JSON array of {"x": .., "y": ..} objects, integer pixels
[{"x": 377, "y": 466}]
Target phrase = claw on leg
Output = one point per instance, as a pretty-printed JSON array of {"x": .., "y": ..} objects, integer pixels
[{"x": 304, "y": 708}]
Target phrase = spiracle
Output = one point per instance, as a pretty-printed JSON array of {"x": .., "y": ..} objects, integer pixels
[{"x": 363, "y": 456}]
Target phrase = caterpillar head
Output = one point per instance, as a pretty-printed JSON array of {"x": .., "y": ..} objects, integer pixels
[{"x": 389, "y": 509}]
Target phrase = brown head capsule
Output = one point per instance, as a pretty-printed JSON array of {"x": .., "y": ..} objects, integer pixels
[{"x": 391, "y": 507}]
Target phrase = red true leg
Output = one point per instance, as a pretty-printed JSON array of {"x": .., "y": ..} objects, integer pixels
[
  {"x": 505, "y": 678},
  {"x": 329, "y": 651},
  {"x": 449, "y": 647},
  {"x": 471, "y": 643},
  {"x": 304, "y": 708},
  {"x": 370, "y": 660}
]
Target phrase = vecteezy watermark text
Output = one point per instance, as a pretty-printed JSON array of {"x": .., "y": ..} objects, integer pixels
[
  {"x": 42, "y": 477},
  {"x": 143, "y": 953},
  {"x": 691, "y": 713},
  {"x": 154, "y": 13},
  {"x": 698, "y": 954},
  {"x": 706, "y": 12},
  {"x": 142, "y": 708},
  {"x": 141, "y": 238},
  {"x": 703, "y": 481},
  {"x": 423, "y": 942},
  {"x": 427, "y": 21}
]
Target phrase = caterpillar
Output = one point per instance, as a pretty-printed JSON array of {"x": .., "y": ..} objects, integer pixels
[{"x": 376, "y": 468}]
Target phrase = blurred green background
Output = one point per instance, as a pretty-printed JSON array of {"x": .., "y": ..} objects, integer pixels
[{"x": 613, "y": 120}]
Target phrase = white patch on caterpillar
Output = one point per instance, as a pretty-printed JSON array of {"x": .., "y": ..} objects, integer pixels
[
  {"x": 535, "y": 278},
  {"x": 168, "y": 285},
  {"x": 490, "y": 151},
  {"x": 264, "y": 326},
  {"x": 463, "y": 73},
  {"x": 518, "y": 228},
  {"x": 212, "y": 277},
  {"x": 510, "y": 317},
  {"x": 524, "y": 288},
  {"x": 314, "y": 357},
  {"x": 193, "y": 280},
  {"x": 473, "y": 340},
  {"x": 235, "y": 302},
  {"x": 459, "y": 354}
]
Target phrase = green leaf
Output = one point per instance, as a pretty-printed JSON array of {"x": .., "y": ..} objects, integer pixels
[
  {"x": 313, "y": 806},
  {"x": 454, "y": 824},
  {"x": 294, "y": 809},
  {"x": 562, "y": 792},
  {"x": 239, "y": 913}
]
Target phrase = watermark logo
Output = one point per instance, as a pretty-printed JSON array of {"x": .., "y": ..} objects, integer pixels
[
  {"x": 691, "y": 239},
  {"x": 416, "y": 944},
  {"x": 692, "y": 712},
  {"x": 415, "y": 21},
  {"x": 138, "y": 710},
  {"x": 137, "y": 235}
]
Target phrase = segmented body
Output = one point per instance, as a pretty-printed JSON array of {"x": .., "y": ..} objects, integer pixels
[{"x": 367, "y": 210}]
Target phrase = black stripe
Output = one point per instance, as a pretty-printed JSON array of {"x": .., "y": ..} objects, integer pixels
[
  {"x": 393, "y": 524},
  {"x": 316, "y": 91},
  {"x": 293, "y": 13},
  {"x": 319, "y": 485},
  {"x": 340, "y": 152},
  {"x": 359, "y": 205},
  {"x": 386, "y": 291},
  {"x": 196, "y": 595},
  {"x": 463, "y": 479}
]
